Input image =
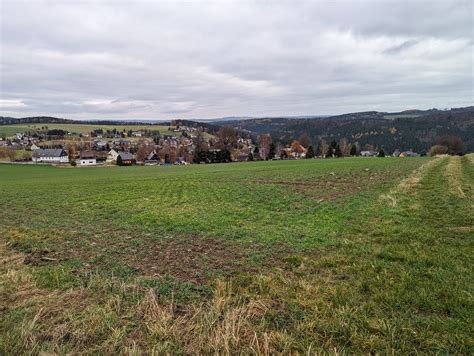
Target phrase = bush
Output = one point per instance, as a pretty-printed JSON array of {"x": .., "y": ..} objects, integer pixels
[
  {"x": 438, "y": 150},
  {"x": 454, "y": 144}
]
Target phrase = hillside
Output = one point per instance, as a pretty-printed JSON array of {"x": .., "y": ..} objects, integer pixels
[
  {"x": 90, "y": 124},
  {"x": 4, "y": 120},
  {"x": 413, "y": 129},
  {"x": 410, "y": 129}
]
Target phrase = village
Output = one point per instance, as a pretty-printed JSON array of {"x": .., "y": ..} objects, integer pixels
[{"x": 181, "y": 146}]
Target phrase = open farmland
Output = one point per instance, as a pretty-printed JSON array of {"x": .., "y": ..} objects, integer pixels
[
  {"x": 339, "y": 255},
  {"x": 10, "y": 130}
]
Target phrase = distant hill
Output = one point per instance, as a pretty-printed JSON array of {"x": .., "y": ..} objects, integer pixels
[
  {"x": 208, "y": 127},
  {"x": 55, "y": 120},
  {"x": 34, "y": 120},
  {"x": 413, "y": 129},
  {"x": 409, "y": 129}
]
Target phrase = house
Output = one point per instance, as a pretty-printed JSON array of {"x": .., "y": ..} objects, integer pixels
[
  {"x": 297, "y": 150},
  {"x": 34, "y": 147},
  {"x": 100, "y": 145},
  {"x": 242, "y": 158},
  {"x": 112, "y": 156},
  {"x": 125, "y": 159},
  {"x": 87, "y": 158},
  {"x": 368, "y": 153},
  {"x": 286, "y": 153},
  {"x": 50, "y": 155},
  {"x": 181, "y": 160},
  {"x": 152, "y": 158},
  {"x": 409, "y": 154},
  {"x": 100, "y": 156}
]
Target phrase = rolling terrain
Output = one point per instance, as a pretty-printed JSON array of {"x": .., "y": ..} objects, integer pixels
[
  {"x": 79, "y": 128},
  {"x": 416, "y": 130},
  {"x": 413, "y": 129},
  {"x": 9, "y": 126},
  {"x": 339, "y": 255}
]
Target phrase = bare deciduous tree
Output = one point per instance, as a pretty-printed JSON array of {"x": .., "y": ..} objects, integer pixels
[
  {"x": 304, "y": 140},
  {"x": 264, "y": 142},
  {"x": 324, "y": 148},
  {"x": 345, "y": 147},
  {"x": 11, "y": 154},
  {"x": 227, "y": 137},
  {"x": 144, "y": 149},
  {"x": 453, "y": 143},
  {"x": 72, "y": 149}
]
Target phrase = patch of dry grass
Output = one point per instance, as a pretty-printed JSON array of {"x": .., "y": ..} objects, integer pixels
[
  {"x": 128, "y": 320},
  {"x": 414, "y": 179},
  {"x": 409, "y": 183},
  {"x": 454, "y": 173}
]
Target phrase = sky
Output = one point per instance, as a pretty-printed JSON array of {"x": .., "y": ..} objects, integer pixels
[{"x": 210, "y": 59}]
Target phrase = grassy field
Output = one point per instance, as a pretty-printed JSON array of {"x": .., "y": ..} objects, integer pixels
[
  {"x": 19, "y": 154},
  {"x": 11, "y": 130},
  {"x": 339, "y": 255}
]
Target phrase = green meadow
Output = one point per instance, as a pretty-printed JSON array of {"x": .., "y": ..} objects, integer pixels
[
  {"x": 11, "y": 130},
  {"x": 347, "y": 255}
]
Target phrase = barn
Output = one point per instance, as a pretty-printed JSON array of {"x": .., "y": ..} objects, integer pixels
[{"x": 50, "y": 155}]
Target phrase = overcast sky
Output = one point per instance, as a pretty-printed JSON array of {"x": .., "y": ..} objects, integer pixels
[{"x": 205, "y": 59}]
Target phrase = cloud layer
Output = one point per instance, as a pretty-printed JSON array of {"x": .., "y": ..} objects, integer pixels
[{"x": 195, "y": 59}]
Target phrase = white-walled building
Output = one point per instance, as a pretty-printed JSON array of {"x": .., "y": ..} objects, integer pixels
[
  {"x": 87, "y": 158},
  {"x": 50, "y": 155},
  {"x": 112, "y": 156}
]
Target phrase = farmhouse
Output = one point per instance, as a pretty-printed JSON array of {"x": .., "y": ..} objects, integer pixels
[
  {"x": 101, "y": 145},
  {"x": 409, "y": 154},
  {"x": 181, "y": 160},
  {"x": 242, "y": 158},
  {"x": 87, "y": 158},
  {"x": 112, "y": 156},
  {"x": 368, "y": 153},
  {"x": 125, "y": 159},
  {"x": 153, "y": 158},
  {"x": 297, "y": 150},
  {"x": 50, "y": 155}
]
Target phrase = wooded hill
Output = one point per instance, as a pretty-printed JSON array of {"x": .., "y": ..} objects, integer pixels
[
  {"x": 204, "y": 126},
  {"x": 4, "y": 120},
  {"x": 414, "y": 129}
]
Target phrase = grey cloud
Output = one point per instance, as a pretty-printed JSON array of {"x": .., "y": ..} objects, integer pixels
[
  {"x": 191, "y": 59},
  {"x": 401, "y": 47}
]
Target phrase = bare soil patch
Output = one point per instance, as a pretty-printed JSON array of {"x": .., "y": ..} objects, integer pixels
[
  {"x": 196, "y": 258},
  {"x": 334, "y": 186},
  {"x": 189, "y": 258}
]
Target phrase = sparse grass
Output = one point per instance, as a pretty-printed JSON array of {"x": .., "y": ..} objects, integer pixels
[{"x": 265, "y": 257}]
